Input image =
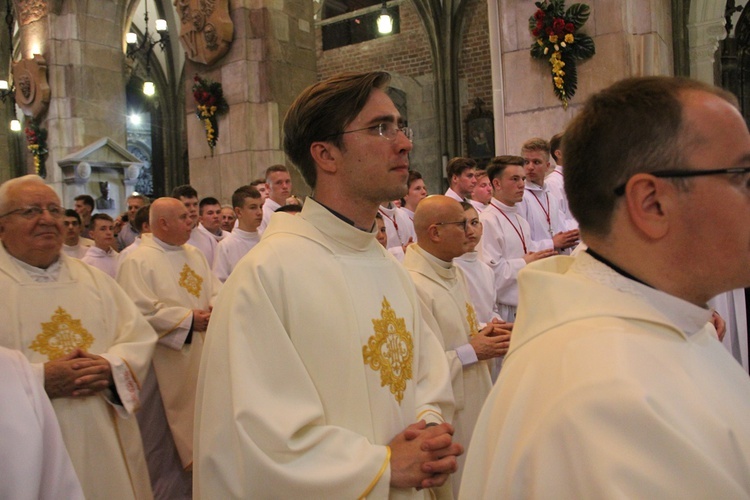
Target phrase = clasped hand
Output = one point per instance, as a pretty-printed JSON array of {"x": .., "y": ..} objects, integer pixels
[
  {"x": 77, "y": 374},
  {"x": 423, "y": 457}
]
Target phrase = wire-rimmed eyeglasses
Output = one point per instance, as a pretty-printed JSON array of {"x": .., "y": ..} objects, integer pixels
[
  {"x": 463, "y": 224},
  {"x": 620, "y": 190},
  {"x": 388, "y": 130},
  {"x": 34, "y": 211}
]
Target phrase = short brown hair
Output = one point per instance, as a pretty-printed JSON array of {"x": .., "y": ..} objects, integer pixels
[
  {"x": 633, "y": 126},
  {"x": 242, "y": 193},
  {"x": 536, "y": 144},
  {"x": 498, "y": 164},
  {"x": 458, "y": 165},
  {"x": 275, "y": 168},
  {"x": 322, "y": 111},
  {"x": 554, "y": 145}
]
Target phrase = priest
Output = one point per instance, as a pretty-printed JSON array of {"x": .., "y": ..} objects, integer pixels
[
  {"x": 86, "y": 341},
  {"x": 319, "y": 379},
  {"x": 172, "y": 285}
]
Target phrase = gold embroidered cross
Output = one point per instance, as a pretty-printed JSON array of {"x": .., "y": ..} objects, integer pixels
[{"x": 391, "y": 351}]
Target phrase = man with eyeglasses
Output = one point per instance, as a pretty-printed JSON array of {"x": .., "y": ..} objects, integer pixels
[
  {"x": 319, "y": 379},
  {"x": 615, "y": 384},
  {"x": 443, "y": 234},
  {"x": 84, "y": 337}
]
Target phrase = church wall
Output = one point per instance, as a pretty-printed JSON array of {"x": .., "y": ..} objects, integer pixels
[
  {"x": 474, "y": 65},
  {"x": 407, "y": 57},
  {"x": 632, "y": 37}
]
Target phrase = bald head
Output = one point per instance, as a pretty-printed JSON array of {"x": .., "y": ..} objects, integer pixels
[
  {"x": 170, "y": 221},
  {"x": 437, "y": 224}
]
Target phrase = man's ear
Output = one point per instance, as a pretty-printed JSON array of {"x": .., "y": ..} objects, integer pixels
[
  {"x": 325, "y": 156},
  {"x": 433, "y": 233},
  {"x": 649, "y": 202}
]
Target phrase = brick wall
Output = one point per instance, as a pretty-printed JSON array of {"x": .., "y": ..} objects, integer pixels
[
  {"x": 406, "y": 53},
  {"x": 474, "y": 65}
]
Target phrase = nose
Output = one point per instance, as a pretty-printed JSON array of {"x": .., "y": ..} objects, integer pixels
[{"x": 403, "y": 142}]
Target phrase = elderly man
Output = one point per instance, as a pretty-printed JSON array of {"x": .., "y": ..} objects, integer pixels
[
  {"x": 443, "y": 229},
  {"x": 172, "y": 285},
  {"x": 615, "y": 384},
  {"x": 319, "y": 379},
  {"x": 84, "y": 337}
]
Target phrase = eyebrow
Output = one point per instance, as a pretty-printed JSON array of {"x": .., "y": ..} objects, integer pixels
[{"x": 386, "y": 118}]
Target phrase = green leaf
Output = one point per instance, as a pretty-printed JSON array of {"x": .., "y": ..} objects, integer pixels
[
  {"x": 558, "y": 7},
  {"x": 537, "y": 51},
  {"x": 532, "y": 23},
  {"x": 570, "y": 80},
  {"x": 578, "y": 14},
  {"x": 583, "y": 47}
]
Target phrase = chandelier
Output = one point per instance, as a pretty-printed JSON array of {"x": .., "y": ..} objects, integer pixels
[{"x": 146, "y": 47}]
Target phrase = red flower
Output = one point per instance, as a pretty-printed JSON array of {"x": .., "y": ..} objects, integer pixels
[
  {"x": 204, "y": 95},
  {"x": 569, "y": 28},
  {"x": 539, "y": 25},
  {"x": 539, "y": 15},
  {"x": 549, "y": 31},
  {"x": 558, "y": 25},
  {"x": 536, "y": 32},
  {"x": 197, "y": 95},
  {"x": 196, "y": 79}
]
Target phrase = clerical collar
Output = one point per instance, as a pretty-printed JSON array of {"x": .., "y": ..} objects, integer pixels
[
  {"x": 38, "y": 274},
  {"x": 345, "y": 218},
  {"x": 615, "y": 268}
]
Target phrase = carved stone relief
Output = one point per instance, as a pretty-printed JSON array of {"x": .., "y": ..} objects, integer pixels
[
  {"x": 31, "y": 10},
  {"x": 206, "y": 29},
  {"x": 32, "y": 89}
]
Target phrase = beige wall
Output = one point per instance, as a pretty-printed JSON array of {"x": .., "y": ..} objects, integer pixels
[{"x": 632, "y": 38}]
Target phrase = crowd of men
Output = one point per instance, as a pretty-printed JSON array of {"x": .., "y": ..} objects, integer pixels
[{"x": 379, "y": 342}]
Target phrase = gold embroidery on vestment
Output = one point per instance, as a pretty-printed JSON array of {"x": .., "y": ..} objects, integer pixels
[
  {"x": 471, "y": 318},
  {"x": 61, "y": 335},
  {"x": 190, "y": 281},
  {"x": 391, "y": 351}
]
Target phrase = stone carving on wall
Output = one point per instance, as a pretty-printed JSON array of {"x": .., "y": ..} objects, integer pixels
[
  {"x": 32, "y": 89},
  {"x": 480, "y": 133},
  {"x": 206, "y": 30},
  {"x": 31, "y": 10}
]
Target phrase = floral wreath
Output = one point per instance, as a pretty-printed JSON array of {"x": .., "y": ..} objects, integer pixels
[
  {"x": 210, "y": 101},
  {"x": 558, "y": 40},
  {"x": 36, "y": 139}
]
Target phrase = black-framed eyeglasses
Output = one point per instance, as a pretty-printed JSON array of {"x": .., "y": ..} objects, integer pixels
[
  {"x": 388, "y": 130},
  {"x": 620, "y": 190},
  {"x": 463, "y": 224},
  {"x": 33, "y": 211}
]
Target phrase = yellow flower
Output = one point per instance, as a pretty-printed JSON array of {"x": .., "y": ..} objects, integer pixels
[
  {"x": 540, "y": 42},
  {"x": 553, "y": 39},
  {"x": 569, "y": 38},
  {"x": 558, "y": 82}
]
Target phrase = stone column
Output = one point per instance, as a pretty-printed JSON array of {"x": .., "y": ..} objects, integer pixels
[
  {"x": 83, "y": 45},
  {"x": 271, "y": 59}
]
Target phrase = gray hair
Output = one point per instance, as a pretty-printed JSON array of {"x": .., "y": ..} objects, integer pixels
[{"x": 7, "y": 186}]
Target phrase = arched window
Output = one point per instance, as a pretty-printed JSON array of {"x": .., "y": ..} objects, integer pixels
[{"x": 346, "y": 22}]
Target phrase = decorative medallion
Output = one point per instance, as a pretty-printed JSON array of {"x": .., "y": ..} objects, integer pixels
[
  {"x": 206, "y": 30},
  {"x": 471, "y": 318},
  {"x": 190, "y": 281},
  {"x": 390, "y": 351},
  {"x": 61, "y": 335},
  {"x": 32, "y": 90}
]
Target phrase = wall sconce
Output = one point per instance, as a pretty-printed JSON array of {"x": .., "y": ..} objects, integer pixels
[{"x": 385, "y": 21}]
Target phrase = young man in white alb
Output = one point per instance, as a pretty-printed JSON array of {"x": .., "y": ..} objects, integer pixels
[{"x": 248, "y": 207}]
